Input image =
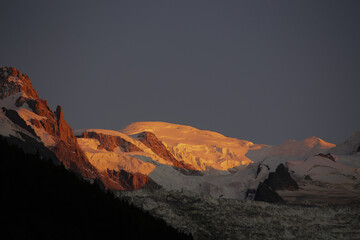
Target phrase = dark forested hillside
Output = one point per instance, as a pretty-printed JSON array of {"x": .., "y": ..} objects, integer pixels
[{"x": 44, "y": 201}]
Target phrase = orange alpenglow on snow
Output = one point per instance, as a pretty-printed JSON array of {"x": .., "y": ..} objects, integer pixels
[{"x": 200, "y": 148}]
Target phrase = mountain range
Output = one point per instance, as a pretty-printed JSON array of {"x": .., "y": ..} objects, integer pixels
[{"x": 157, "y": 157}]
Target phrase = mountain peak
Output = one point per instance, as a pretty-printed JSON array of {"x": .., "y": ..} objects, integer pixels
[
  {"x": 31, "y": 114},
  {"x": 59, "y": 113},
  {"x": 349, "y": 146},
  {"x": 313, "y": 139},
  {"x": 12, "y": 82}
]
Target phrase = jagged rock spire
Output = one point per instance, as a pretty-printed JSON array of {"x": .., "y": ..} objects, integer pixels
[
  {"x": 12, "y": 82},
  {"x": 50, "y": 126}
]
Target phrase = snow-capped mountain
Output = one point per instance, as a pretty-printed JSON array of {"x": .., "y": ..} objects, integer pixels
[
  {"x": 321, "y": 176},
  {"x": 197, "y": 164},
  {"x": 175, "y": 157},
  {"x": 303, "y": 159},
  {"x": 202, "y": 149},
  {"x": 28, "y": 121},
  {"x": 292, "y": 149},
  {"x": 201, "y": 182},
  {"x": 27, "y": 117},
  {"x": 348, "y": 147}
]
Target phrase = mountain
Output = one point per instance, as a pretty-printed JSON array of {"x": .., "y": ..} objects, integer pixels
[
  {"x": 163, "y": 153},
  {"x": 204, "y": 150},
  {"x": 144, "y": 153},
  {"x": 170, "y": 156},
  {"x": 179, "y": 172},
  {"x": 292, "y": 149},
  {"x": 28, "y": 120},
  {"x": 348, "y": 147},
  {"x": 322, "y": 177},
  {"x": 25, "y": 116}
]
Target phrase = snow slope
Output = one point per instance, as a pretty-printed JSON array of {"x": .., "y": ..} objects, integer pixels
[
  {"x": 116, "y": 160},
  {"x": 213, "y": 183},
  {"x": 203, "y": 149},
  {"x": 8, "y": 128},
  {"x": 290, "y": 150},
  {"x": 350, "y": 146},
  {"x": 209, "y": 151},
  {"x": 325, "y": 170},
  {"x": 147, "y": 152}
]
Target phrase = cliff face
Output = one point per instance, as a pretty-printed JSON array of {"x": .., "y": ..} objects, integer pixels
[
  {"x": 151, "y": 141},
  {"x": 130, "y": 181},
  {"x": 110, "y": 142},
  {"x": 12, "y": 82},
  {"x": 32, "y": 119},
  {"x": 64, "y": 144}
]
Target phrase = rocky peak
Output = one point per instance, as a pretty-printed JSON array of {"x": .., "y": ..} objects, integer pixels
[
  {"x": 65, "y": 131},
  {"x": 52, "y": 125},
  {"x": 278, "y": 180},
  {"x": 56, "y": 134},
  {"x": 12, "y": 82},
  {"x": 59, "y": 113}
]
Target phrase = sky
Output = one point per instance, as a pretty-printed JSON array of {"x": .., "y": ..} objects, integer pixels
[{"x": 264, "y": 71}]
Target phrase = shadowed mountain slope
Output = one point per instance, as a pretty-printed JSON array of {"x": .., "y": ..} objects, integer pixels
[{"x": 44, "y": 201}]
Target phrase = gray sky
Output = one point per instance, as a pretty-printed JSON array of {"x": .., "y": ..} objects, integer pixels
[{"x": 263, "y": 71}]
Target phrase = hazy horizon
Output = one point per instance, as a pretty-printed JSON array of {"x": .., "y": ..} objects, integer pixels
[{"x": 255, "y": 70}]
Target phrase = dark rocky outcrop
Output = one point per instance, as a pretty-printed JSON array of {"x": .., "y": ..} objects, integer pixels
[
  {"x": 281, "y": 179},
  {"x": 110, "y": 142},
  {"x": 129, "y": 181},
  {"x": 328, "y": 155},
  {"x": 151, "y": 141},
  {"x": 260, "y": 168},
  {"x": 266, "y": 194},
  {"x": 278, "y": 180},
  {"x": 15, "y": 118},
  {"x": 308, "y": 178},
  {"x": 250, "y": 194}
]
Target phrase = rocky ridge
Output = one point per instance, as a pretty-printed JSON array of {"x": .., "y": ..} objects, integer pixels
[
  {"x": 109, "y": 142},
  {"x": 34, "y": 122},
  {"x": 150, "y": 140},
  {"x": 53, "y": 123},
  {"x": 130, "y": 181}
]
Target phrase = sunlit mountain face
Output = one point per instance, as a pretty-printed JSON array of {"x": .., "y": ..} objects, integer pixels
[
  {"x": 170, "y": 156},
  {"x": 179, "y": 157},
  {"x": 163, "y": 167}
]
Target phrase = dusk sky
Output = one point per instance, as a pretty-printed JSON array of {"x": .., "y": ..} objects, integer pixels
[{"x": 264, "y": 71}]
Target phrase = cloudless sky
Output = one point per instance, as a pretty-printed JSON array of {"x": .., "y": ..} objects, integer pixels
[{"x": 263, "y": 71}]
